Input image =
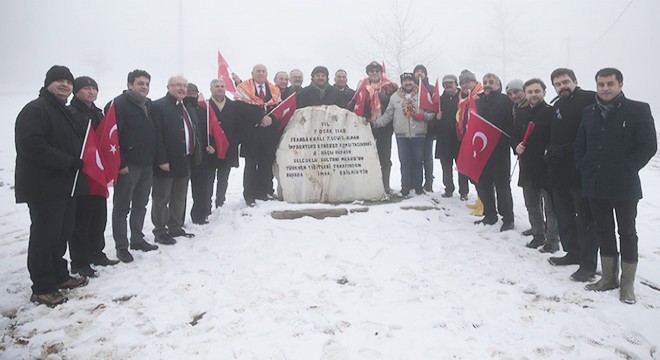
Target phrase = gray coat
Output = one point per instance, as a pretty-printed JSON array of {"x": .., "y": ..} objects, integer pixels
[{"x": 403, "y": 126}]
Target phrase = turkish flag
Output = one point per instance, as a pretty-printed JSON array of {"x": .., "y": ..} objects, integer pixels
[
  {"x": 384, "y": 73},
  {"x": 225, "y": 74},
  {"x": 108, "y": 144},
  {"x": 478, "y": 144},
  {"x": 436, "y": 97},
  {"x": 215, "y": 130},
  {"x": 425, "y": 100},
  {"x": 360, "y": 98},
  {"x": 93, "y": 166},
  {"x": 284, "y": 111}
]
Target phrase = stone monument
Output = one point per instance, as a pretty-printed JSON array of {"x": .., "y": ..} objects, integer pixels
[{"x": 327, "y": 154}]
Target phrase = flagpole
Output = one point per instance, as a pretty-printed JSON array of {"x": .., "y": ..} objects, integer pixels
[
  {"x": 419, "y": 94},
  {"x": 82, "y": 151},
  {"x": 208, "y": 123}
]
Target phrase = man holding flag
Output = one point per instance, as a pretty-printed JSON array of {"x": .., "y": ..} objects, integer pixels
[
  {"x": 422, "y": 76},
  {"x": 496, "y": 108},
  {"x": 370, "y": 101},
  {"x": 48, "y": 149},
  {"x": 531, "y": 135},
  {"x": 255, "y": 98},
  {"x": 88, "y": 240}
]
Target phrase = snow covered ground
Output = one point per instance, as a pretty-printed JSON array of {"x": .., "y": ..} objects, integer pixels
[{"x": 389, "y": 283}]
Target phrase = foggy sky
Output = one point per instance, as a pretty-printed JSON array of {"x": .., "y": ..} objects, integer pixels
[{"x": 107, "y": 39}]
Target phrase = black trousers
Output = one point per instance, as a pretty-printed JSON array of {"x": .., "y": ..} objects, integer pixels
[
  {"x": 447, "y": 164},
  {"x": 88, "y": 240},
  {"x": 201, "y": 206},
  {"x": 52, "y": 226},
  {"x": 383, "y": 137},
  {"x": 603, "y": 211},
  {"x": 576, "y": 227},
  {"x": 490, "y": 183}
]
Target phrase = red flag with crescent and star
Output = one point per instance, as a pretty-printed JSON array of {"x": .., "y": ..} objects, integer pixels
[
  {"x": 360, "y": 98},
  {"x": 225, "y": 73},
  {"x": 108, "y": 144},
  {"x": 93, "y": 165},
  {"x": 284, "y": 111},
  {"x": 478, "y": 144}
]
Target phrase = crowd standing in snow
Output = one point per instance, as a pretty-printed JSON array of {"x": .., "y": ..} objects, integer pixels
[{"x": 579, "y": 160}]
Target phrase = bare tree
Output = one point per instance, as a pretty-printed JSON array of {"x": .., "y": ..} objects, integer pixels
[{"x": 401, "y": 40}]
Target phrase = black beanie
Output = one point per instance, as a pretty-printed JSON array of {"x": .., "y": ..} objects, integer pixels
[
  {"x": 83, "y": 81},
  {"x": 407, "y": 76},
  {"x": 421, "y": 67},
  {"x": 58, "y": 72},
  {"x": 320, "y": 69}
]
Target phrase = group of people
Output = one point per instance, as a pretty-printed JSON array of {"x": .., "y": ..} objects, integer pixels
[{"x": 580, "y": 163}]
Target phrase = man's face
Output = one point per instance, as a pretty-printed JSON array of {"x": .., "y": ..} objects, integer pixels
[
  {"x": 218, "y": 90},
  {"x": 419, "y": 74},
  {"x": 192, "y": 93},
  {"x": 491, "y": 85},
  {"x": 564, "y": 85},
  {"x": 140, "y": 86},
  {"x": 296, "y": 78},
  {"x": 450, "y": 87},
  {"x": 341, "y": 79},
  {"x": 467, "y": 86},
  {"x": 282, "y": 80},
  {"x": 87, "y": 94},
  {"x": 608, "y": 87},
  {"x": 534, "y": 94},
  {"x": 374, "y": 75},
  {"x": 259, "y": 74},
  {"x": 516, "y": 95},
  {"x": 320, "y": 79},
  {"x": 407, "y": 85},
  {"x": 177, "y": 87},
  {"x": 60, "y": 88}
]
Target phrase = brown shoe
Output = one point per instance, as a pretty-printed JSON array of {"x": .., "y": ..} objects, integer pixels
[
  {"x": 51, "y": 299},
  {"x": 74, "y": 282}
]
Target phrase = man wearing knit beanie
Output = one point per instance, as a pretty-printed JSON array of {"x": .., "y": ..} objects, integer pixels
[
  {"x": 514, "y": 90},
  {"x": 46, "y": 166}
]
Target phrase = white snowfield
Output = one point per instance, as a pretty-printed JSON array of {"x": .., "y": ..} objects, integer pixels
[{"x": 389, "y": 283}]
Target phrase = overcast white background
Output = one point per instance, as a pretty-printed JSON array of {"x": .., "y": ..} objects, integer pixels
[{"x": 107, "y": 39}]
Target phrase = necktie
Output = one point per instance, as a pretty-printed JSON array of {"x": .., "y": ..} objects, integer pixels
[
  {"x": 191, "y": 135},
  {"x": 261, "y": 92}
]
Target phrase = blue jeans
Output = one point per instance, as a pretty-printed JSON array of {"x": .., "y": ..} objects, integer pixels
[{"x": 411, "y": 154}]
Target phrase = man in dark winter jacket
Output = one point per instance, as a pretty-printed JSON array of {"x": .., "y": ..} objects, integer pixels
[
  {"x": 533, "y": 170},
  {"x": 178, "y": 149},
  {"x": 447, "y": 145},
  {"x": 48, "y": 148},
  {"x": 616, "y": 139},
  {"x": 88, "y": 241},
  {"x": 345, "y": 92},
  {"x": 496, "y": 108},
  {"x": 421, "y": 73},
  {"x": 576, "y": 231},
  {"x": 319, "y": 92},
  {"x": 137, "y": 143}
]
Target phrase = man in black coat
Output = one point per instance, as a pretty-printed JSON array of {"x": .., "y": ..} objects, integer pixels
[
  {"x": 178, "y": 149},
  {"x": 533, "y": 176},
  {"x": 48, "y": 149},
  {"x": 319, "y": 92},
  {"x": 496, "y": 108},
  {"x": 420, "y": 73},
  {"x": 447, "y": 145},
  {"x": 616, "y": 139},
  {"x": 88, "y": 240},
  {"x": 255, "y": 98},
  {"x": 341, "y": 84},
  {"x": 137, "y": 143},
  {"x": 576, "y": 228}
]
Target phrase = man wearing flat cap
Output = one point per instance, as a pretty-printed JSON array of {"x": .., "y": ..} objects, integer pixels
[
  {"x": 319, "y": 92},
  {"x": 378, "y": 91},
  {"x": 48, "y": 146}
]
